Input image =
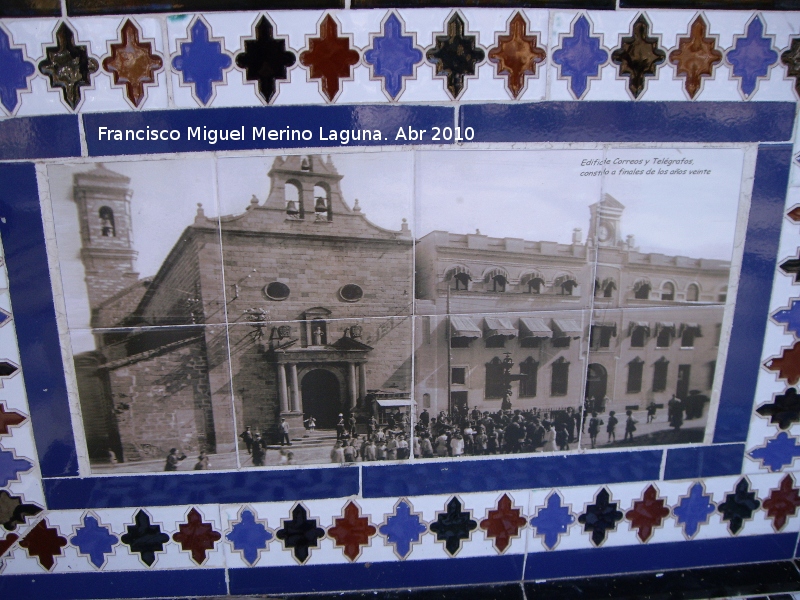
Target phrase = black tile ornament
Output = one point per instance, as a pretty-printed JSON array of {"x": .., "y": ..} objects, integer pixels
[
  {"x": 265, "y": 59},
  {"x": 68, "y": 66},
  {"x": 145, "y": 538},
  {"x": 784, "y": 410},
  {"x": 791, "y": 58},
  {"x": 300, "y": 533},
  {"x": 639, "y": 56},
  {"x": 601, "y": 517},
  {"x": 30, "y": 8},
  {"x": 739, "y": 506},
  {"x": 453, "y": 526},
  {"x": 455, "y": 55},
  {"x": 104, "y": 7}
]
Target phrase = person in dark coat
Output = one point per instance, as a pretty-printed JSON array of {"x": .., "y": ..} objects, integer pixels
[
  {"x": 247, "y": 438},
  {"x": 173, "y": 460}
]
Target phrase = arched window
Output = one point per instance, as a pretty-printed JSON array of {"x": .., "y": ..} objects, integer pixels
[
  {"x": 499, "y": 283},
  {"x": 535, "y": 286},
  {"x": 462, "y": 281},
  {"x": 641, "y": 289},
  {"x": 635, "y": 372},
  {"x": 294, "y": 201},
  {"x": 565, "y": 284},
  {"x": 639, "y": 336},
  {"x": 495, "y": 385},
  {"x": 108, "y": 229},
  {"x": 608, "y": 288},
  {"x": 667, "y": 291},
  {"x": 322, "y": 203},
  {"x": 529, "y": 369},
  {"x": 692, "y": 293}
]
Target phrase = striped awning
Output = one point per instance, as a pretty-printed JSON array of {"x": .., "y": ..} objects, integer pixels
[
  {"x": 499, "y": 326},
  {"x": 634, "y": 325},
  {"x": 690, "y": 327},
  {"x": 464, "y": 327},
  {"x": 530, "y": 327},
  {"x": 567, "y": 327}
]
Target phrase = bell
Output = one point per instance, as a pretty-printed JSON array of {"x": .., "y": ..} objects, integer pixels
[
  {"x": 320, "y": 206},
  {"x": 292, "y": 208}
]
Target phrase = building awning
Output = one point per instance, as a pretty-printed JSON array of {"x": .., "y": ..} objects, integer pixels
[
  {"x": 389, "y": 403},
  {"x": 464, "y": 327},
  {"x": 690, "y": 327},
  {"x": 567, "y": 328},
  {"x": 665, "y": 325},
  {"x": 530, "y": 327},
  {"x": 634, "y": 325},
  {"x": 499, "y": 326},
  {"x": 611, "y": 326}
]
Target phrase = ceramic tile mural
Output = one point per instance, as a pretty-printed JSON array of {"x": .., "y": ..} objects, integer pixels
[{"x": 464, "y": 295}]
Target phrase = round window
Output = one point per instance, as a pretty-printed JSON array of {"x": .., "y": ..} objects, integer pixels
[
  {"x": 277, "y": 291},
  {"x": 351, "y": 292}
]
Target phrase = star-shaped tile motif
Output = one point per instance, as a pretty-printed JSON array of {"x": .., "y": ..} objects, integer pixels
[
  {"x": 13, "y": 511},
  {"x": 794, "y": 214},
  {"x": 45, "y": 543},
  {"x": 552, "y": 520},
  {"x": 791, "y": 58},
  {"x": 266, "y": 59},
  {"x": 196, "y": 537},
  {"x": 145, "y": 538},
  {"x": 352, "y": 531},
  {"x": 600, "y": 517},
  {"x": 503, "y": 524},
  {"x": 516, "y": 55},
  {"x": 455, "y": 55},
  {"x": 739, "y": 506},
  {"x": 68, "y": 66},
  {"x": 5, "y": 316},
  {"x": 696, "y": 56},
  {"x": 751, "y": 57},
  {"x": 7, "y": 542},
  {"x": 777, "y": 453},
  {"x": 694, "y": 510},
  {"x": 94, "y": 540},
  {"x": 789, "y": 318},
  {"x": 639, "y": 56},
  {"x": 782, "y": 502},
  {"x": 249, "y": 536},
  {"x": 791, "y": 267},
  {"x": 784, "y": 410},
  {"x": 787, "y": 364},
  {"x": 15, "y": 74},
  {"x": 647, "y": 513},
  {"x": 453, "y": 526},
  {"x": 201, "y": 62},
  {"x": 132, "y": 63},
  {"x": 330, "y": 58},
  {"x": 403, "y": 529},
  {"x": 7, "y": 370},
  {"x": 9, "y": 418},
  {"x": 300, "y": 533},
  {"x": 393, "y": 56},
  {"x": 580, "y": 57},
  {"x": 12, "y": 467}
]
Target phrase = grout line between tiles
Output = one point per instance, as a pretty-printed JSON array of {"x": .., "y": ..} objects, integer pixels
[{"x": 82, "y": 137}]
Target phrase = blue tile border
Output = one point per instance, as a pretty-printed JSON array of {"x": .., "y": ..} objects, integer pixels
[
  {"x": 317, "y": 120},
  {"x": 37, "y": 333},
  {"x": 655, "y": 557},
  {"x": 230, "y": 487},
  {"x": 26, "y": 138},
  {"x": 614, "y": 122},
  {"x": 376, "y": 575},
  {"x": 131, "y": 584},
  {"x": 531, "y": 472},
  {"x": 704, "y": 461},
  {"x": 752, "y": 299}
]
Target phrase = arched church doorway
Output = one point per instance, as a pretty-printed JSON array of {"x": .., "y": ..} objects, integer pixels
[
  {"x": 321, "y": 398},
  {"x": 596, "y": 386}
]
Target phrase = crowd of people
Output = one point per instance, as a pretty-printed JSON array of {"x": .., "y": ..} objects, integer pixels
[{"x": 387, "y": 441}]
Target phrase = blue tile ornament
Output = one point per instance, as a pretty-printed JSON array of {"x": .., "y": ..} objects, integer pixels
[
  {"x": 552, "y": 521},
  {"x": 11, "y": 467},
  {"x": 580, "y": 57},
  {"x": 751, "y": 57},
  {"x": 789, "y": 318},
  {"x": 694, "y": 510},
  {"x": 201, "y": 62},
  {"x": 94, "y": 540},
  {"x": 393, "y": 57},
  {"x": 14, "y": 75},
  {"x": 777, "y": 453},
  {"x": 249, "y": 536},
  {"x": 403, "y": 529}
]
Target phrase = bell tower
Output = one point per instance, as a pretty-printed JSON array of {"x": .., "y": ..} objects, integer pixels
[
  {"x": 307, "y": 187},
  {"x": 605, "y": 222},
  {"x": 103, "y": 199}
]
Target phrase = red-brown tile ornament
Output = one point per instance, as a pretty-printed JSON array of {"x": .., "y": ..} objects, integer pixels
[
  {"x": 352, "y": 531},
  {"x": 516, "y": 55},
  {"x": 787, "y": 364},
  {"x": 132, "y": 63},
  {"x": 639, "y": 56},
  {"x": 782, "y": 503},
  {"x": 503, "y": 524},
  {"x": 696, "y": 56},
  {"x": 794, "y": 214},
  {"x": 647, "y": 513},
  {"x": 8, "y": 419},
  {"x": 7, "y": 542},
  {"x": 196, "y": 536},
  {"x": 44, "y": 543},
  {"x": 330, "y": 58}
]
